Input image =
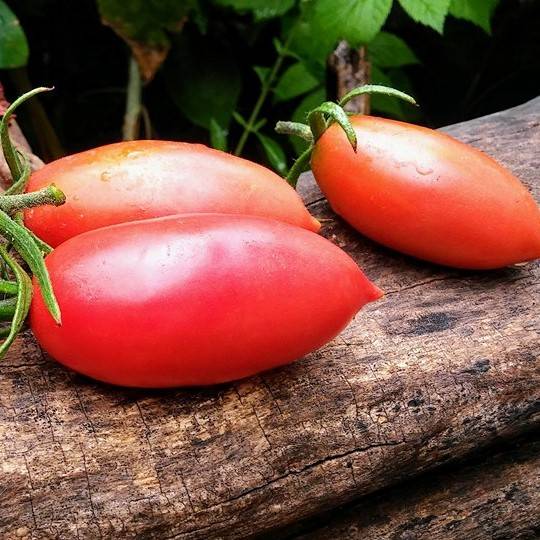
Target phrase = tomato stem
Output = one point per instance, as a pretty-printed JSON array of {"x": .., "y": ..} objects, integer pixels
[
  {"x": 299, "y": 166},
  {"x": 47, "y": 195},
  {"x": 10, "y": 153},
  {"x": 323, "y": 116},
  {"x": 23, "y": 241}
]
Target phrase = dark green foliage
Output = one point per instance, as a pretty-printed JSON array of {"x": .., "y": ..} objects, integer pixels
[{"x": 252, "y": 61}]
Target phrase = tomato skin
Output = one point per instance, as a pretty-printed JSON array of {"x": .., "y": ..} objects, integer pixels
[
  {"x": 423, "y": 193},
  {"x": 195, "y": 299},
  {"x": 135, "y": 180}
]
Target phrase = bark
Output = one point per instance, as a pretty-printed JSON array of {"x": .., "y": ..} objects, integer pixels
[
  {"x": 446, "y": 364},
  {"x": 350, "y": 68},
  {"x": 492, "y": 497}
]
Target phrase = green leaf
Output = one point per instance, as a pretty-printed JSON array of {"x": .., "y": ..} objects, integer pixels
[
  {"x": 240, "y": 119},
  {"x": 203, "y": 79},
  {"x": 295, "y": 81},
  {"x": 145, "y": 26},
  {"x": 13, "y": 44},
  {"x": 429, "y": 12},
  {"x": 274, "y": 153},
  {"x": 478, "y": 12},
  {"x": 24, "y": 299},
  {"x": 261, "y": 9},
  {"x": 259, "y": 124},
  {"x": 310, "y": 102},
  {"x": 262, "y": 72},
  {"x": 326, "y": 22},
  {"x": 218, "y": 136},
  {"x": 389, "y": 50}
]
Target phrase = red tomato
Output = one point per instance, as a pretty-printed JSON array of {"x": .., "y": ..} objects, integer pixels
[
  {"x": 426, "y": 194},
  {"x": 195, "y": 299},
  {"x": 146, "y": 179}
]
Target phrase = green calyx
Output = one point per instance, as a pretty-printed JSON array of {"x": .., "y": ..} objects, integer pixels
[
  {"x": 16, "y": 285},
  {"x": 322, "y": 117}
]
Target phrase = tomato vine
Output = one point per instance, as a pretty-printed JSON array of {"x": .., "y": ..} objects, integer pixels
[{"x": 16, "y": 285}]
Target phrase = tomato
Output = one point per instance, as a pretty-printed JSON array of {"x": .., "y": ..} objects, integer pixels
[
  {"x": 195, "y": 299},
  {"x": 426, "y": 194},
  {"x": 146, "y": 179}
]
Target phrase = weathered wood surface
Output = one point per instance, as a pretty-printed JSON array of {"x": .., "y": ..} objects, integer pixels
[
  {"x": 494, "y": 496},
  {"x": 446, "y": 363}
]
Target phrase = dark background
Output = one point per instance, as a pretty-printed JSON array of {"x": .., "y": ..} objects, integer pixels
[{"x": 463, "y": 74}]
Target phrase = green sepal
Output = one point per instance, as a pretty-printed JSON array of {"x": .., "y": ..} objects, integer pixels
[
  {"x": 10, "y": 153},
  {"x": 318, "y": 124},
  {"x": 19, "y": 184},
  {"x": 321, "y": 117},
  {"x": 8, "y": 287},
  {"x": 294, "y": 128},
  {"x": 43, "y": 246},
  {"x": 25, "y": 245},
  {"x": 23, "y": 301},
  {"x": 376, "y": 89}
]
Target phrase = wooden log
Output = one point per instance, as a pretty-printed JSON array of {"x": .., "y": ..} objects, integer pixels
[
  {"x": 493, "y": 496},
  {"x": 446, "y": 364},
  {"x": 349, "y": 68}
]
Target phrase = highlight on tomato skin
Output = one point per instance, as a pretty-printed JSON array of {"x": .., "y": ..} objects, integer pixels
[
  {"x": 134, "y": 180},
  {"x": 196, "y": 299},
  {"x": 423, "y": 193}
]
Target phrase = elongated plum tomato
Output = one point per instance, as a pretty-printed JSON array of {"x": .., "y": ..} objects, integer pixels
[
  {"x": 426, "y": 194},
  {"x": 136, "y": 180},
  {"x": 195, "y": 299}
]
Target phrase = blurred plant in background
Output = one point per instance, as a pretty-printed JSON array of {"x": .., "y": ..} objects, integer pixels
[{"x": 231, "y": 68}]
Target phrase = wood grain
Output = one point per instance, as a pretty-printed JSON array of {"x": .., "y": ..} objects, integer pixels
[
  {"x": 496, "y": 495},
  {"x": 447, "y": 363}
]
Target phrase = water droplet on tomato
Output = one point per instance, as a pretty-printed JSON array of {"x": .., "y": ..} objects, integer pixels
[{"x": 424, "y": 171}]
